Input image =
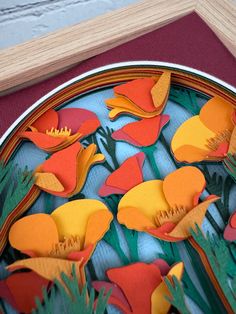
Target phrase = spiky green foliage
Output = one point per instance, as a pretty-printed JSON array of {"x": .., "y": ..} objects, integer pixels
[
  {"x": 177, "y": 295},
  {"x": 71, "y": 300},
  {"x": 102, "y": 138},
  {"x": 14, "y": 185},
  {"x": 221, "y": 262},
  {"x": 186, "y": 98},
  {"x": 171, "y": 256},
  {"x": 230, "y": 165},
  {"x": 218, "y": 185}
]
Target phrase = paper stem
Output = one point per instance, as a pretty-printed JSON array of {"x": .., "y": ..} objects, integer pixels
[
  {"x": 131, "y": 237},
  {"x": 211, "y": 275},
  {"x": 149, "y": 152}
]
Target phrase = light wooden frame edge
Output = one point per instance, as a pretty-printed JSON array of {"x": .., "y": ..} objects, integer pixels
[{"x": 35, "y": 60}]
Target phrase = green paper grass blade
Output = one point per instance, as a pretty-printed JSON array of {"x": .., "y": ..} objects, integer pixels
[
  {"x": 131, "y": 237},
  {"x": 177, "y": 295},
  {"x": 112, "y": 238},
  {"x": 219, "y": 257},
  {"x": 17, "y": 184},
  {"x": 71, "y": 299},
  {"x": 171, "y": 256},
  {"x": 186, "y": 98}
]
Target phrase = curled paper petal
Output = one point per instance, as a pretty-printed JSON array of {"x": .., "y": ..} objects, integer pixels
[{"x": 48, "y": 267}]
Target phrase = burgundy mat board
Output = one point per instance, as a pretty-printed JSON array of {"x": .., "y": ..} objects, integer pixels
[{"x": 188, "y": 41}]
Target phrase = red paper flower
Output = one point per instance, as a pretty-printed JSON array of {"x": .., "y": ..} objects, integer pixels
[
  {"x": 142, "y": 133},
  {"x": 128, "y": 175},
  {"x": 21, "y": 289},
  {"x": 230, "y": 229},
  {"x": 55, "y": 130},
  {"x": 139, "y": 288}
]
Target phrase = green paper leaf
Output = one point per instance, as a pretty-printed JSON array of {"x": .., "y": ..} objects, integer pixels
[
  {"x": 220, "y": 260},
  {"x": 177, "y": 295},
  {"x": 186, "y": 98},
  {"x": 16, "y": 184},
  {"x": 71, "y": 299}
]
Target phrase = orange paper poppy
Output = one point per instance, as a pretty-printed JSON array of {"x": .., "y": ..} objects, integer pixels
[
  {"x": 65, "y": 172},
  {"x": 56, "y": 130},
  {"x": 55, "y": 242},
  {"x": 140, "y": 294},
  {"x": 209, "y": 136},
  {"x": 166, "y": 209},
  {"x": 144, "y": 98}
]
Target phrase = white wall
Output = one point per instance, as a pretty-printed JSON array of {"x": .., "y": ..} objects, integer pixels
[{"x": 22, "y": 20}]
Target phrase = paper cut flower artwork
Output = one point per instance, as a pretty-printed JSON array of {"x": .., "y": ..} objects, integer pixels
[
  {"x": 168, "y": 208},
  {"x": 56, "y": 130},
  {"x": 55, "y": 242},
  {"x": 209, "y": 136},
  {"x": 140, "y": 288},
  {"x": 128, "y": 175},
  {"x": 142, "y": 133},
  {"x": 230, "y": 229},
  {"x": 65, "y": 172},
  {"x": 144, "y": 97}
]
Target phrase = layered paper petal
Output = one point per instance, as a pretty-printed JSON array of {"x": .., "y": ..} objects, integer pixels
[
  {"x": 138, "y": 92},
  {"x": 166, "y": 209},
  {"x": 183, "y": 187},
  {"x": 76, "y": 218},
  {"x": 21, "y": 289},
  {"x": 147, "y": 197},
  {"x": 128, "y": 175},
  {"x": 140, "y": 294},
  {"x": 186, "y": 135},
  {"x": 46, "y": 121},
  {"x": 70, "y": 167},
  {"x": 144, "y": 284},
  {"x": 193, "y": 217},
  {"x": 159, "y": 302},
  {"x": 78, "y": 120},
  {"x": 217, "y": 114},
  {"x": 207, "y": 135},
  {"x": 144, "y": 98},
  {"x": 48, "y": 267},
  {"x": 142, "y": 133},
  {"x": 37, "y": 233},
  {"x": 54, "y": 131}
]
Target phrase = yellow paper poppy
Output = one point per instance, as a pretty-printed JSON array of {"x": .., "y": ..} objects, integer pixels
[{"x": 168, "y": 208}]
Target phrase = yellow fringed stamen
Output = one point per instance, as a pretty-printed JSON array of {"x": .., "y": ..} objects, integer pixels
[
  {"x": 58, "y": 133},
  {"x": 62, "y": 249},
  {"x": 214, "y": 142},
  {"x": 171, "y": 215}
]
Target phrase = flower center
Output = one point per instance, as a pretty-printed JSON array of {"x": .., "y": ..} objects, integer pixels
[
  {"x": 215, "y": 142},
  {"x": 63, "y": 132},
  {"x": 171, "y": 215},
  {"x": 62, "y": 249}
]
